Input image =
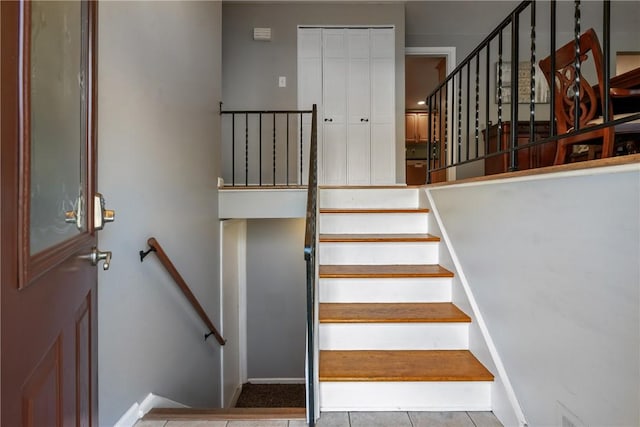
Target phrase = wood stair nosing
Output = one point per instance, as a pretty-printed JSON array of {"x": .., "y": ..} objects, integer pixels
[
  {"x": 391, "y": 313},
  {"x": 401, "y": 366},
  {"x": 373, "y": 211},
  {"x": 231, "y": 414},
  {"x": 383, "y": 271},
  {"x": 377, "y": 238}
]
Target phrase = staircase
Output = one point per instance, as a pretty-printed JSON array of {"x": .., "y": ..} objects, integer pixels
[{"x": 390, "y": 337}]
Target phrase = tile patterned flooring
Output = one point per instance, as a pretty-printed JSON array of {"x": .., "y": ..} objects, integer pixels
[{"x": 356, "y": 419}]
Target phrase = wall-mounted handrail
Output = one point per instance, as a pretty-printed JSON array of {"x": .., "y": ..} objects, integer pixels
[
  {"x": 310, "y": 249},
  {"x": 171, "y": 269}
]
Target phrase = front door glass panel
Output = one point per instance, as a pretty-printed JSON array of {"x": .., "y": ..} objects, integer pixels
[{"x": 56, "y": 129}]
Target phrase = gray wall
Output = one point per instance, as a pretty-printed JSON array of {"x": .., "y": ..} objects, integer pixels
[
  {"x": 276, "y": 298},
  {"x": 251, "y": 69},
  {"x": 553, "y": 266},
  {"x": 158, "y": 130}
]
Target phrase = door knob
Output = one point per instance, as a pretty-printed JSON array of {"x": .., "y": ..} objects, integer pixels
[
  {"x": 364, "y": 120},
  {"x": 328, "y": 120},
  {"x": 101, "y": 215},
  {"x": 96, "y": 256}
]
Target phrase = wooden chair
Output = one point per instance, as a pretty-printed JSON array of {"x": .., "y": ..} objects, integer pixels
[{"x": 562, "y": 79}]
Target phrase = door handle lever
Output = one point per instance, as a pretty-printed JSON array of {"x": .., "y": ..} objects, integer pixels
[{"x": 97, "y": 255}]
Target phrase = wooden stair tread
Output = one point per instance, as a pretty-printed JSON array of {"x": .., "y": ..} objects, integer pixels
[
  {"x": 383, "y": 271},
  {"x": 391, "y": 313},
  {"x": 404, "y": 365},
  {"x": 180, "y": 414},
  {"x": 372, "y": 211},
  {"x": 378, "y": 238}
]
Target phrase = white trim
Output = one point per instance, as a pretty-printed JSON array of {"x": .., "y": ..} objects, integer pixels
[
  {"x": 276, "y": 380},
  {"x": 129, "y": 418},
  {"x": 139, "y": 410},
  {"x": 236, "y": 396},
  {"x": 629, "y": 167},
  {"x": 450, "y": 53},
  {"x": 477, "y": 315}
]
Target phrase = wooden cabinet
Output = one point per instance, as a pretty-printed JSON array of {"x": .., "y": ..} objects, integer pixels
[
  {"x": 417, "y": 128},
  {"x": 528, "y": 158}
]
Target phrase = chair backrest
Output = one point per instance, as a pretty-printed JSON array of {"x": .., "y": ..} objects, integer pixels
[{"x": 562, "y": 79}]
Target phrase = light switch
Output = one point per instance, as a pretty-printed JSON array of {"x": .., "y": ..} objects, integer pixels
[{"x": 282, "y": 81}]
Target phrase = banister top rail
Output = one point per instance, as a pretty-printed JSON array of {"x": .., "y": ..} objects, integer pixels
[
  {"x": 266, "y": 111},
  {"x": 171, "y": 269},
  {"x": 310, "y": 257},
  {"x": 462, "y": 64},
  {"x": 312, "y": 190}
]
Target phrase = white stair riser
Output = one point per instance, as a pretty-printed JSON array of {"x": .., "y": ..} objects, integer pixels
[
  {"x": 405, "y": 396},
  {"x": 428, "y": 289},
  {"x": 374, "y": 198},
  {"x": 377, "y": 253},
  {"x": 373, "y": 223},
  {"x": 394, "y": 336}
]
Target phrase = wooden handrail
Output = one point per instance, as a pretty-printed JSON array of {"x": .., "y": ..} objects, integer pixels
[{"x": 171, "y": 269}]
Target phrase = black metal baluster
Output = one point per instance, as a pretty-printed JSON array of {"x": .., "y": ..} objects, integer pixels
[
  {"x": 459, "y": 115},
  {"x": 287, "y": 148},
  {"x": 435, "y": 140},
  {"x": 260, "y": 152},
  {"x": 274, "y": 149},
  {"x": 300, "y": 148},
  {"x": 246, "y": 149},
  {"x": 499, "y": 135},
  {"x": 477, "y": 118},
  {"x": 552, "y": 88},
  {"x": 233, "y": 150},
  {"x": 577, "y": 82},
  {"x": 515, "y": 41},
  {"x": 466, "y": 125},
  {"x": 606, "y": 53},
  {"x": 429, "y": 141},
  {"x": 532, "y": 100},
  {"x": 447, "y": 147},
  {"x": 442, "y": 139},
  {"x": 487, "y": 96}
]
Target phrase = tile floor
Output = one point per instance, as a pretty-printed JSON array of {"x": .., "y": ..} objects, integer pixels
[{"x": 356, "y": 419}]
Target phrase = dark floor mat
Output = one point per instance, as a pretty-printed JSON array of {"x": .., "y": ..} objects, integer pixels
[{"x": 271, "y": 396}]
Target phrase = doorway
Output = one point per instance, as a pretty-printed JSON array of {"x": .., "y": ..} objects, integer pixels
[{"x": 425, "y": 69}]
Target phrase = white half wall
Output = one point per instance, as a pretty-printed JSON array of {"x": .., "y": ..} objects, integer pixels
[
  {"x": 159, "y": 68},
  {"x": 552, "y": 261}
]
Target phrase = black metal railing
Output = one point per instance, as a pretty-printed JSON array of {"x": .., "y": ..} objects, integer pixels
[
  {"x": 264, "y": 147},
  {"x": 310, "y": 252},
  {"x": 461, "y": 106}
]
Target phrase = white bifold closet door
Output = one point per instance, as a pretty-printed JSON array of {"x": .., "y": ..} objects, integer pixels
[{"x": 357, "y": 102}]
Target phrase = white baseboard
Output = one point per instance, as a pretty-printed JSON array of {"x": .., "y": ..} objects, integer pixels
[
  {"x": 276, "y": 380},
  {"x": 138, "y": 410}
]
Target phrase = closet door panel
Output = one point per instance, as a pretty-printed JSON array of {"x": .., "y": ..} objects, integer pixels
[
  {"x": 335, "y": 156},
  {"x": 383, "y": 154},
  {"x": 334, "y": 117},
  {"x": 358, "y": 107},
  {"x": 383, "y": 107},
  {"x": 309, "y": 93}
]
